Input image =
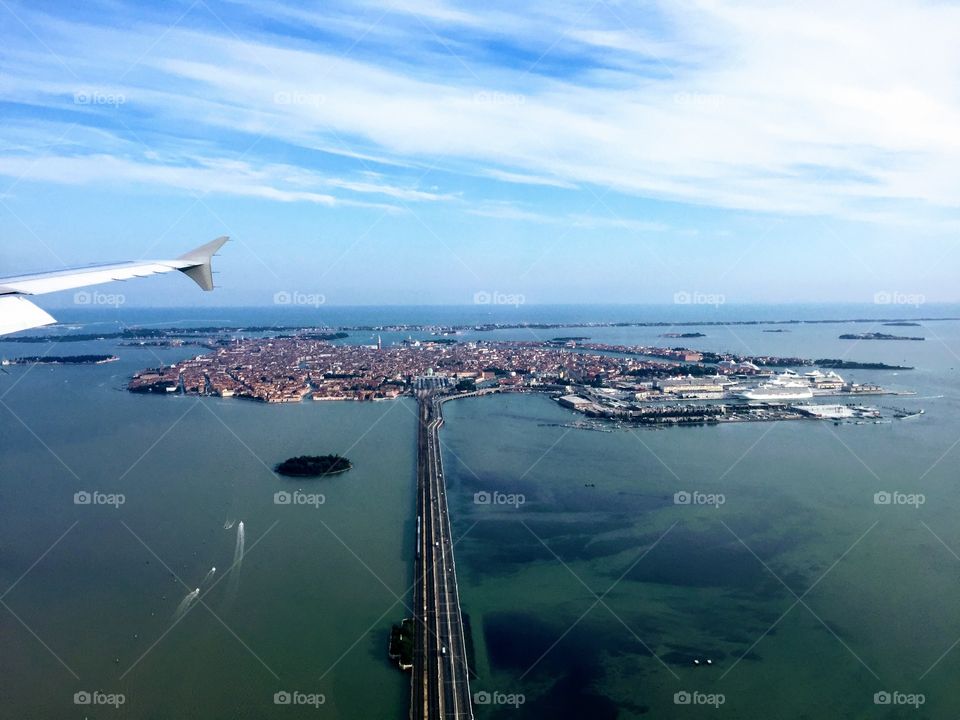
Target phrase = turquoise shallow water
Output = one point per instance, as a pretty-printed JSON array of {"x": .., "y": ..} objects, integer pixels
[
  {"x": 318, "y": 588},
  {"x": 879, "y": 583}
]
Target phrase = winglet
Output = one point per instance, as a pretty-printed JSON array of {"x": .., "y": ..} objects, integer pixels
[{"x": 199, "y": 269}]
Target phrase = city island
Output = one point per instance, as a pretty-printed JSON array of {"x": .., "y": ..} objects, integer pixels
[{"x": 641, "y": 385}]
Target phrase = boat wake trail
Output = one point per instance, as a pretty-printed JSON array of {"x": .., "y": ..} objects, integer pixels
[
  {"x": 185, "y": 604},
  {"x": 237, "y": 562}
]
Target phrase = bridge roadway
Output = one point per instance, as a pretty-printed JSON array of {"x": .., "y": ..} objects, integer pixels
[{"x": 440, "y": 682}]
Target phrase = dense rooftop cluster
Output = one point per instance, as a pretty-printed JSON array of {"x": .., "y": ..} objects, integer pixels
[{"x": 291, "y": 369}]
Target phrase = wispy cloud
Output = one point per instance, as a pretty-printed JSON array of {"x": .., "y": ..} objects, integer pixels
[
  {"x": 209, "y": 175},
  {"x": 511, "y": 211},
  {"x": 793, "y": 109}
]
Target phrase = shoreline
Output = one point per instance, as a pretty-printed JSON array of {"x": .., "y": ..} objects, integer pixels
[{"x": 189, "y": 333}]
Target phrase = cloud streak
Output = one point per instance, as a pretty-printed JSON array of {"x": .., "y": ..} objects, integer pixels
[{"x": 792, "y": 110}]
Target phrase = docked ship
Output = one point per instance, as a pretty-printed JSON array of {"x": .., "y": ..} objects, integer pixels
[
  {"x": 786, "y": 386},
  {"x": 901, "y": 414}
]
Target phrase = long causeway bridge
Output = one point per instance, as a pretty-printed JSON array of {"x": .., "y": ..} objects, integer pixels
[{"x": 440, "y": 682}]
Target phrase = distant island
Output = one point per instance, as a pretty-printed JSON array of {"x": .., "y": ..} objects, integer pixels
[
  {"x": 61, "y": 360},
  {"x": 777, "y": 330},
  {"x": 876, "y": 336},
  {"x": 683, "y": 335},
  {"x": 158, "y": 335},
  {"x": 837, "y": 364},
  {"x": 221, "y": 335},
  {"x": 902, "y": 323},
  {"x": 313, "y": 466},
  {"x": 570, "y": 338}
]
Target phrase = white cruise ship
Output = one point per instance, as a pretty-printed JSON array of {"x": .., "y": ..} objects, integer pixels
[{"x": 786, "y": 386}]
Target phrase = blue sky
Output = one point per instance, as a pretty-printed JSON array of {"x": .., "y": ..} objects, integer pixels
[{"x": 424, "y": 151}]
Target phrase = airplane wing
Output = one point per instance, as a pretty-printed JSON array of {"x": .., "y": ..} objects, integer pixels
[{"x": 17, "y": 313}]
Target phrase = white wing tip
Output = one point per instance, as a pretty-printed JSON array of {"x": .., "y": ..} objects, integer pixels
[{"x": 17, "y": 313}]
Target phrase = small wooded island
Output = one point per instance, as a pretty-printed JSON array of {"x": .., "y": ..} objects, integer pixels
[
  {"x": 877, "y": 336},
  {"x": 61, "y": 360},
  {"x": 313, "y": 466}
]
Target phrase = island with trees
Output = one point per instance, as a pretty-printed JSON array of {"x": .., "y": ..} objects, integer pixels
[
  {"x": 877, "y": 336},
  {"x": 61, "y": 360},
  {"x": 314, "y": 466},
  {"x": 838, "y": 364}
]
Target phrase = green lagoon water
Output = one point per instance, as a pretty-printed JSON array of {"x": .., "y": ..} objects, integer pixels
[
  {"x": 317, "y": 589},
  {"x": 880, "y": 592}
]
